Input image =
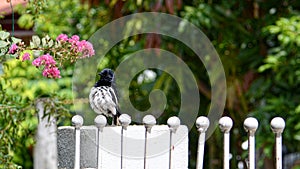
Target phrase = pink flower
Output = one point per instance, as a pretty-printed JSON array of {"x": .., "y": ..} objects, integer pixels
[
  {"x": 51, "y": 72},
  {"x": 46, "y": 60},
  {"x": 13, "y": 48},
  {"x": 25, "y": 56},
  {"x": 74, "y": 39},
  {"x": 80, "y": 45},
  {"x": 62, "y": 37},
  {"x": 86, "y": 48},
  {"x": 37, "y": 62}
]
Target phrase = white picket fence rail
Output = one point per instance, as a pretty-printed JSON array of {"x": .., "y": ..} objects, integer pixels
[{"x": 148, "y": 146}]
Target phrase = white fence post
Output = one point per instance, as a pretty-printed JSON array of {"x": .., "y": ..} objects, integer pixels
[
  {"x": 202, "y": 123},
  {"x": 125, "y": 120},
  {"x": 149, "y": 121},
  {"x": 45, "y": 151},
  {"x": 77, "y": 121},
  {"x": 250, "y": 125},
  {"x": 277, "y": 126},
  {"x": 225, "y": 124},
  {"x": 100, "y": 122},
  {"x": 173, "y": 123}
]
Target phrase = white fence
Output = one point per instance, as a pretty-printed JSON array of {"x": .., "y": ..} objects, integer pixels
[{"x": 148, "y": 146}]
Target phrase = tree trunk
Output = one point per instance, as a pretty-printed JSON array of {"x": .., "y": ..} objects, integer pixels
[{"x": 45, "y": 151}]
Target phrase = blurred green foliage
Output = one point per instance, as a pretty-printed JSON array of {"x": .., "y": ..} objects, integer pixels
[
  {"x": 259, "y": 48},
  {"x": 12, "y": 115},
  {"x": 276, "y": 91},
  {"x": 74, "y": 18},
  {"x": 257, "y": 41}
]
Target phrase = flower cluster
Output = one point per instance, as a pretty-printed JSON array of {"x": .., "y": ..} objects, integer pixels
[
  {"x": 53, "y": 53},
  {"x": 84, "y": 48},
  {"x": 50, "y": 69}
]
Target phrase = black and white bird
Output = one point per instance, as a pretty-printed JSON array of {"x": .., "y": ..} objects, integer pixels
[{"x": 103, "y": 96}]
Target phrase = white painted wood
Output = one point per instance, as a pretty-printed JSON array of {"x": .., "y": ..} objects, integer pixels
[
  {"x": 111, "y": 147},
  {"x": 173, "y": 123},
  {"x": 158, "y": 144},
  {"x": 180, "y": 151},
  {"x": 158, "y": 147}
]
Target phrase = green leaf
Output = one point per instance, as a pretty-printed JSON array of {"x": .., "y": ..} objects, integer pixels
[
  {"x": 26, "y": 21},
  {"x": 32, "y": 45},
  {"x": 297, "y": 137},
  {"x": 264, "y": 67},
  {"x": 274, "y": 29},
  {"x": 50, "y": 43},
  {"x": 272, "y": 59},
  {"x": 4, "y": 35},
  {"x": 3, "y": 52},
  {"x": 297, "y": 126},
  {"x": 297, "y": 110},
  {"x": 44, "y": 42},
  {"x": 3, "y": 44},
  {"x": 297, "y": 39},
  {"x": 36, "y": 41},
  {"x": 16, "y": 40}
]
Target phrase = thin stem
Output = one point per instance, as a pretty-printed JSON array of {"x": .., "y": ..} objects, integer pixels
[{"x": 13, "y": 19}]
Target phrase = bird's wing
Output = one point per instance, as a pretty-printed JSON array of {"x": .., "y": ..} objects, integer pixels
[
  {"x": 113, "y": 95},
  {"x": 103, "y": 100},
  {"x": 95, "y": 100}
]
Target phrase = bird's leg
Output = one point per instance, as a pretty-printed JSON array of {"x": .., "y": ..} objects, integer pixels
[
  {"x": 113, "y": 121},
  {"x": 117, "y": 122}
]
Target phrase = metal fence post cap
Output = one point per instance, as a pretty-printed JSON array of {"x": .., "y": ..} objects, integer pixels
[
  {"x": 202, "y": 123},
  {"x": 277, "y": 125},
  {"x": 100, "y": 121},
  {"x": 149, "y": 121},
  {"x": 250, "y": 124},
  {"x": 225, "y": 124},
  {"x": 173, "y": 123},
  {"x": 77, "y": 121},
  {"x": 125, "y": 120}
]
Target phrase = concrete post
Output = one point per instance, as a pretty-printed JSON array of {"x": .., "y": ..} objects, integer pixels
[{"x": 45, "y": 151}]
